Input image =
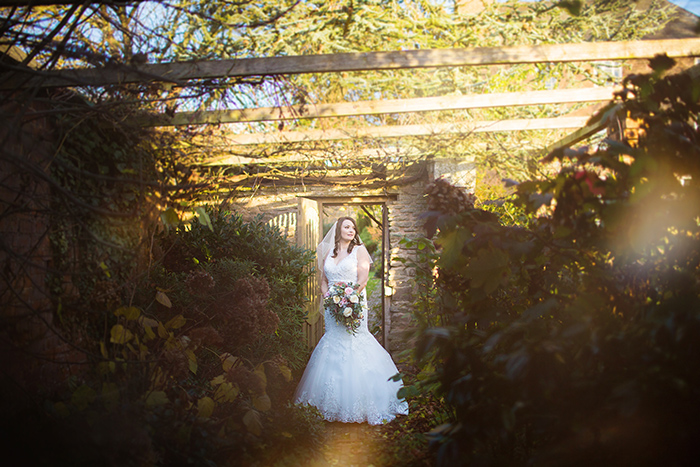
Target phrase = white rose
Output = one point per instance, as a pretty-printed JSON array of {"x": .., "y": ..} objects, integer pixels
[
  {"x": 354, "y": 299},
  {"x": 347, "y": 312},
  {"x": 336, "y": 299}
]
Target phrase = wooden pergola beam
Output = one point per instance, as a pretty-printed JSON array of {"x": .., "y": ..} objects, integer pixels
[
  {"x": 424, "y": 104},
  {"x": 397, "y": 131},
  {"x": 32, "y": 3},
  {"x": 300, "y": 157},
  {"x": 577, "y": 136},
  {"x": 180, "y": 72}
]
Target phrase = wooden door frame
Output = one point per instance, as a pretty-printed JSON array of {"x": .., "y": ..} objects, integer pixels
[{"x": 359, "y": 200}]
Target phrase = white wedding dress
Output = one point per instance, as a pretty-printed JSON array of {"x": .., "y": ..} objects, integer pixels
[{"x": 347, "y": 377}]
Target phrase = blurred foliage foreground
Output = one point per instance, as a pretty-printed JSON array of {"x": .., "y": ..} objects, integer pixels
[
  {"x": 571, "y": 336},
  {"x": 184, "y": 336}
]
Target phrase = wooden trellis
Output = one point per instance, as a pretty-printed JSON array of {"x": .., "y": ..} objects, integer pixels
[{"x": 183, "y": 73}]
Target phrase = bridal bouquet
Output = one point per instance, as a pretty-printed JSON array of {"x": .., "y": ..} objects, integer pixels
[{"x": 343, "y": 302}]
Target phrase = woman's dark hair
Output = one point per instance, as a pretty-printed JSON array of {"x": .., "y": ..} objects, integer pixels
[{"x": 355, "y": 241}]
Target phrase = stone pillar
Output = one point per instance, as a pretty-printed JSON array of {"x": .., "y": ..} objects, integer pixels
[{"x": 404, "y": 221}]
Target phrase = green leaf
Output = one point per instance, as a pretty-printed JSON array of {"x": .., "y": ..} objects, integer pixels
[
  {"x": 105, "y": 269},
  {"x": 110, "y": 394},
  {"x": 408, "y": 391},
  {"x": 61, "y": 409},
  {"x": 148, "y": 324},
  {"x": 170, "y": 218},
  {"x": 83, "y": 396},
  {"x": 452, "y": 242},
  {"x": 572, "y": 6},
  {"x": 488, "y": 269},
  {"x": 203, "y": 217}
]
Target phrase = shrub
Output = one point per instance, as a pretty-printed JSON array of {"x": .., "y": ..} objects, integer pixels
[
  {"x": 570, "y": 339},
  {"x": 197, "y": 369}
]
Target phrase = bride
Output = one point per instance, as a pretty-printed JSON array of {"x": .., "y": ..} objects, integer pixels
[{"x": 348, "y": 375}]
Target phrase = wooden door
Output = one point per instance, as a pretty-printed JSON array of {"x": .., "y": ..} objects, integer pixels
[
  {"x": 308, "y": 236},
  {"x": 386, "y": 257}
]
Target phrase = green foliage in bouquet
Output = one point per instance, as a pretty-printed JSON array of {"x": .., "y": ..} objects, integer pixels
[{"x": 571, "y": 338}]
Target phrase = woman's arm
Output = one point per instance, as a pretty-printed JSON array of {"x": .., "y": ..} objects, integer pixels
[
  {"x": 324, "y": 284},
  {"x": 324, "y": 279},
  {"x": 362, "y": 267}
]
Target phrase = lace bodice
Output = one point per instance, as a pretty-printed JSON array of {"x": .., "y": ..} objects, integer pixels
[{"x": 344, "y": 271}]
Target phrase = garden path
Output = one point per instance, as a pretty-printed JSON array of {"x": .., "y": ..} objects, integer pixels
[
  {"x": 349, "y": 445},
  {"x": 353, "y": 444}
]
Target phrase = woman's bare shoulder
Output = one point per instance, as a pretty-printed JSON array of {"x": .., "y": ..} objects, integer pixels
[{"x": 362, "y": 251}]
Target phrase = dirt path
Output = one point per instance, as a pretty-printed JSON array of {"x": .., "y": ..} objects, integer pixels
[
  {"x": 353, "y": 444},
  {"x": 349, "y": 445}
]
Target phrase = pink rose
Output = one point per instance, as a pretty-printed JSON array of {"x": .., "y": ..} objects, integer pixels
[{"x": 348, "y": 290}]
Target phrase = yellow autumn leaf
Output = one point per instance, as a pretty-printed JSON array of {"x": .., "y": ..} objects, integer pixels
[
  {"x": 262, "y": 403},
  {"x": 105, "y": 368},
  {"x": 192, "y": 361},
  {"x": 226, "y": 392},
  {"x": 176, "y": 322},
  {"x": 205, "y": 407},
  {"x": 158, "y": 378},
  {"x": 163, "y": 299},
  {"x": 156, "y": 398},
  {"x": 218, "y": 380},
  {"x": 252, "y": 421},
  {"x": 286, "y": 372},
  {"x": 129, "y": 312},
  {"x": 120, "y": 335},
  {"x": 150, "y": 335},
  {"x": 260, "y": 371},
  {"x": 228, "y": 361}
]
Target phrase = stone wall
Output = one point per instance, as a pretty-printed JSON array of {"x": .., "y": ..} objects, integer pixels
[
  {"x": 404, "y": 221},
  {"x": 33, "y": 352}
]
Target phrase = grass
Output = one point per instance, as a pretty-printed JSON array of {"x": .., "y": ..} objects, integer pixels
[{"x": 372, "y": 285}]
